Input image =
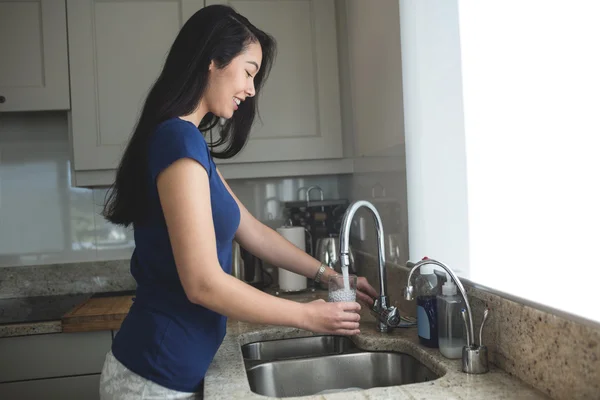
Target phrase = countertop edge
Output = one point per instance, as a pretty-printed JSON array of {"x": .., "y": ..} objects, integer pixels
[
  {"x": 13, "y": 329},
  {"x": 30, "y": 328}
]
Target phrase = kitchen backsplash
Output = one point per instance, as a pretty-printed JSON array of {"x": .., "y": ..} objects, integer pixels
[{"x": 44, "y": 220}]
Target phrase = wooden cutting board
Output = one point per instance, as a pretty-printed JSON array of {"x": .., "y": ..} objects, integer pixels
[{"x": 97, "y": 314}]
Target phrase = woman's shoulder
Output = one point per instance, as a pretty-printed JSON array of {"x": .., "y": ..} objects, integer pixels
[
  {"x": 176, "y": 125},
  {"x": 176, "y": 131},
  {"x": 176, "y": 138}
]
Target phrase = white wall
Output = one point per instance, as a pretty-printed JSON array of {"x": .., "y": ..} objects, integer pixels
[
  {"x": 435, "y": 144},
  {"x": 43, "y": 219},
  {"x": 501, "y": 106}
]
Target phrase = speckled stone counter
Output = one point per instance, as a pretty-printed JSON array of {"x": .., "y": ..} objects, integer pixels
[
  {"x": 226, "y": 377},
  {"x": 36, "y": 315},
  {"x": 30, "y": 296},
  {"x": 33, "y": 328}
]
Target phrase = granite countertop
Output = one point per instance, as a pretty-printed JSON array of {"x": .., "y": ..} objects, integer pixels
[
  {"x": 33, "y": 315},
  {"x": 226, "y": 376},
  {"x": 38, "y": 308},
  {"x": 36, "y": 314},
  {"x": 30, "y": 328}
]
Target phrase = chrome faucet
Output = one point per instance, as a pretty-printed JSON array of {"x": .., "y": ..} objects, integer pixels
[
  {"x": 387, "y": 316},
  {"x": 474, "y": 356}
]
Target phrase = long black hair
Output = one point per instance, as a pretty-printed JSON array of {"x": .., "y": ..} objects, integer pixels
[{"x": 214, "y": 33}]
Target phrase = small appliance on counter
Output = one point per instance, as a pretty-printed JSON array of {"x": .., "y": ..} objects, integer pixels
[
  {"x": 248, "y": 268},
  {"x": 321, "y": 218},
  {"x": 237, "y": 263},
  {"x": 328, "y": 252}
]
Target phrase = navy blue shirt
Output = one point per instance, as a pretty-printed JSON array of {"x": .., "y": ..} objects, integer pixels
[{"x": 165, "y": 338}]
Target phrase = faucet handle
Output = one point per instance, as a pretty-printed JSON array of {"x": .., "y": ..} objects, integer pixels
[
  {"x": 379, "y": 304},
  {"x": 380, "y": 311},
  {"x": 485, "y": 316},
  {"x": 389, "y": 317}
]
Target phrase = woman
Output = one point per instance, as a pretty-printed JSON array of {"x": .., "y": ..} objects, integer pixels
[{"x": 185, "y": 217}]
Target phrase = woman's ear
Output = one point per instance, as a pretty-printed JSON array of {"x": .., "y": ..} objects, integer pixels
[{"x": 211, "y": 66}]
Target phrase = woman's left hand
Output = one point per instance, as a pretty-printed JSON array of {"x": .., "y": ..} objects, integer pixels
[{"x": 365, "y": 292}]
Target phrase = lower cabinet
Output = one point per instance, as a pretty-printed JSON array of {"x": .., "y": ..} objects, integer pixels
[
  {"x": 53, "y": 366},
  {"x": 83, "y": 387}
]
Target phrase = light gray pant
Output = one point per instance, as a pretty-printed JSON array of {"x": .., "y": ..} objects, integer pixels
[{"x": 119, "y": 383}]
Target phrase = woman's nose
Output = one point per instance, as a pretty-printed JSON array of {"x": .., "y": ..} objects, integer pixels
[{"x": 250, "y": 91}]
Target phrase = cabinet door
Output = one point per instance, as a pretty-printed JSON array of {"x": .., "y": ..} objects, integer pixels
[
  {"x": 77, "y": 387},
  {"x": 376, "y": 86},
  {"x": 34, "y": 71},
  {"x": 53, "y": 355},
  {"x": 116, "y": 51},
  {"x": 300, "y": 105}
]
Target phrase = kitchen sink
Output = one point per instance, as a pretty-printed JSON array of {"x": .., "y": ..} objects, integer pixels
[
  {"x": 308, "y": 376},
  {"x": 297, "y": 347},
  {"x": 324, "y": 364}
]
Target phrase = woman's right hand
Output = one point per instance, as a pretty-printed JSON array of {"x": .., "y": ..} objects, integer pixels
[{"x": 332, "y": 318}]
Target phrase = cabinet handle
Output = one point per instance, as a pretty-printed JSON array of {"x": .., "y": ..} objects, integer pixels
[{"x": 2, "y": 99}]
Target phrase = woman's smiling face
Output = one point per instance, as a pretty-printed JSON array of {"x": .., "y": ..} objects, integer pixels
[{"x": 228, "y": 87}]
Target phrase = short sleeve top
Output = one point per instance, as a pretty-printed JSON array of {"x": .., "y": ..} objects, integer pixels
[{"x": 166, "y": 338}]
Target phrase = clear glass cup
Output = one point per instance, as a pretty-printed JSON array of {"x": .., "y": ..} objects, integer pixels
[{"x": 338, "y": 291}]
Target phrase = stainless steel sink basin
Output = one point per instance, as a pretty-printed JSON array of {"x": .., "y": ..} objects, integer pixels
[
  {"x": 297, "y": 347},
  {"x": 362, "y": 370}
]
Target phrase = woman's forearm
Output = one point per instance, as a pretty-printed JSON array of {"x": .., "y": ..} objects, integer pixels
[
  {"x": 268, "y": 245},
  {"x": 230, "y": 297},
  {"x": 237, "y": 300}
]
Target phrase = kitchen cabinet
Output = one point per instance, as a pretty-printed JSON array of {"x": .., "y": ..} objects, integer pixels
[
  {"x": 76, "y": 387},
  {"x": 53, "y": 364},
  {"x": 116, "y": 51},
  {"x": 34, "y": 71},
  {"x": 300, "y": 102},
  {"x": 376, "y": 109},
  {"x": 299, "y": 129}
]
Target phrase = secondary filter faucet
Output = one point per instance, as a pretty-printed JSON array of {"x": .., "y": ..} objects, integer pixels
[{"x": 474, "y": 356}]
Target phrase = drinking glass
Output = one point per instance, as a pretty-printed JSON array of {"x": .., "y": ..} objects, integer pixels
[{"x": 337, "y": 290}]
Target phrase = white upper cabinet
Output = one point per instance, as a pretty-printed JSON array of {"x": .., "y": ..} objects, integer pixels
[
  {"x": 372, "y": 34},
  {"x": 116, "y": 51},
  {"x": 299, "y": 106},
  {"x": 34, "y": 71}
]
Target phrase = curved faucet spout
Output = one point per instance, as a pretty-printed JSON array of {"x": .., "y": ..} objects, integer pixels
[
  {"x": 345, "y": 239},
  {"x": 387, "y": 316}
]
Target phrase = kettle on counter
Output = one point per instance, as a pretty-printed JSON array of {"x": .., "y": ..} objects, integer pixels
[
  {"x": 328, "y": 252},
  {"x": 248, "y": 268},
  {"x": 237, "y": 263}
]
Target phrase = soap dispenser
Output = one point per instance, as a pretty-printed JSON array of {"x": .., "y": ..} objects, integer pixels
[
  {"x": 427, "y": 289},
  {"x": 450, "y": 323}
]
